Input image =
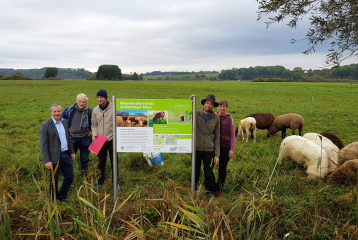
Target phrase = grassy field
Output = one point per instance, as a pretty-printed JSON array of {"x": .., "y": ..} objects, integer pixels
[{"x": 261, "y": 200}]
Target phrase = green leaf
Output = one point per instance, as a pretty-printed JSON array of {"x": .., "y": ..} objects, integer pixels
[
  {"x": 51, "y": 215},
  {"x": 88, "y": 203},
  {"x": 192, "y": 217},
  {"x": 181, "y": 226}
]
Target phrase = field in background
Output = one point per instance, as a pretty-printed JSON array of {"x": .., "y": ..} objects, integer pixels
[
  {"x": 178, "y": 77},
  {"x": 257, "y": 201}
]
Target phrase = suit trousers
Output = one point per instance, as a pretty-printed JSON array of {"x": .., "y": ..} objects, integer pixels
[
  {"x": 207, "y": 158},
  {"x": 65, "y": 165}
]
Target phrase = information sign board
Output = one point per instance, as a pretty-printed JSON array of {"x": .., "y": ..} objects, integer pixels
[{"x": 154, "y": 125}]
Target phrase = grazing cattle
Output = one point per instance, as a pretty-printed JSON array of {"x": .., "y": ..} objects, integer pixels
[
  {"x": 119, "y": 121},
  {"x": 125, "y": 118},
  {"x": 145, "y": 123},
  {"x": 130, "y": 121},
  {"x": 135, "y": 122},
  {"x": 181, "y": 118},
  {"x": 159, "y": 115}
]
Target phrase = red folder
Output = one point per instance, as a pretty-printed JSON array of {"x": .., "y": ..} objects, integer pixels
[{"x": 96, "y": 146}]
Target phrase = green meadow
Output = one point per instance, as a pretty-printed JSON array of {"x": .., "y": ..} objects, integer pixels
[{"x": 261, "y": 200}]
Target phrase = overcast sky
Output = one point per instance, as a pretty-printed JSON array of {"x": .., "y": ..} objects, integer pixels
[{"x": 143, "y": 36}]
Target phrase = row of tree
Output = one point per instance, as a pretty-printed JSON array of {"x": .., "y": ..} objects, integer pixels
[
  {"x": 113, "y": 72},
  {"x": 105, "y": 72},
  {"x": 345, "y": 72},
  {"x": 38, "y": 73}
]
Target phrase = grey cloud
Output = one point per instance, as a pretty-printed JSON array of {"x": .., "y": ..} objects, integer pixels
[{"x": 145, "y": 35}]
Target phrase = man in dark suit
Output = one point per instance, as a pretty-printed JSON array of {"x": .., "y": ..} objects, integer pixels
[{"x": 56, "y": 149}]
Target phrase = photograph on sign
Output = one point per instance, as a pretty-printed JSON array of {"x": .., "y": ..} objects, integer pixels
[
  {"x": 132, "y": 118},
  {"x": 184, "y": 117},
  {"x": 154, "y": 125},
  {"x": 156, "y": 117}
]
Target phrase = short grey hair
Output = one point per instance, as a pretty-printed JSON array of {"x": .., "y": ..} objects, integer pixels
[
  {"x": 82, "y": 95},
  {"x": 55, "y": 105}
]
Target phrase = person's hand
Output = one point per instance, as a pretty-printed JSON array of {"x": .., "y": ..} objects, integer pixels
[
  {"x": 89, "y": 134},
  {"x": 73, "y": 156},
  {"x": 191, "y": 97},
  {"x": 231, "y": 154},
  {"x": 94, "y": 138},
  {"x": 216, "y": 160},
  {"x": 48, "y": 165}
]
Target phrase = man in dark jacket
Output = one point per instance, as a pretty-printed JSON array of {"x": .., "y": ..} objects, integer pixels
[
  {"x": 57, "y": 151},
  {"x": 79, "y": 118},
  {"x": 207, "y": 141}
]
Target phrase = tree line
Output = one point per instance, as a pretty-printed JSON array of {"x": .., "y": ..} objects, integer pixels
[
  {"x": 104, "y": 72},
  {"x": 259, "y": 72},
  {"x": 113, "y": 72},
  {"x": 38, "y": 73}
]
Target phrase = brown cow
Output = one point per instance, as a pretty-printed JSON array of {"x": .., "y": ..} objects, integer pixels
[{"x": 159, "y": 115}]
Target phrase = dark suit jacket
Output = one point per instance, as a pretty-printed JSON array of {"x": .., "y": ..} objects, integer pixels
[{"x": 50, "y": 143}]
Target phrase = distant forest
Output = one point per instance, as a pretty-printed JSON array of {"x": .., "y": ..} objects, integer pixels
[
  {"x": 258, "y": 73},
  {"x": 63, "y": 73}
]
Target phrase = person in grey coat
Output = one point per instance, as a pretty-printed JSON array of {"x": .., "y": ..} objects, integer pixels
[
  {"x": 79, "y": 121},
  {"x": 56, "y": 149}
]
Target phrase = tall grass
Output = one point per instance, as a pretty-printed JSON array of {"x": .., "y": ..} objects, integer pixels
[{"x": 5, "y": 227}]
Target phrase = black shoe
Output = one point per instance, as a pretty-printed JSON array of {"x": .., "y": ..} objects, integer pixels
[
  {"x": 62, "y": 200},
  {"x": 218, "y": 194},
  {"x": 97, "y": 185}
]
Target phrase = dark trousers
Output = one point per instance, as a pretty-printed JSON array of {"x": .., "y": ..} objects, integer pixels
[
  {"x": 82, "y": 144},
  {"x": 224, "y": 160},
  {"x": 208, "y": 160},
  {"x": 65, "y": 165},
  {"x": 102, "y": 159}
]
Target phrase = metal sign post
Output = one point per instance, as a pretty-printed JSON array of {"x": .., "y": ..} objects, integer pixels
[
  {"x": 115, "y": 160},
  {"x": 193, "y": 147}
]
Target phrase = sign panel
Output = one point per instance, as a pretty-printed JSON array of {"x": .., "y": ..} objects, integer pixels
[{"x": 154, "y": 125}]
